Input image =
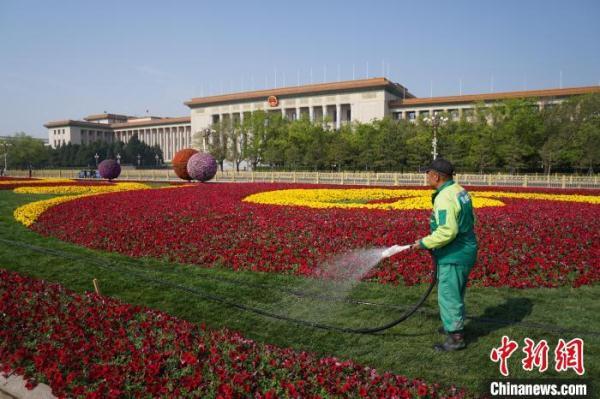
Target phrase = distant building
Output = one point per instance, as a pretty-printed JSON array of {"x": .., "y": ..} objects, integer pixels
[
  {"x": 338, "y": 102},
  {"x": 458, "y": 106},
  {"x": 171, "y": 134}
]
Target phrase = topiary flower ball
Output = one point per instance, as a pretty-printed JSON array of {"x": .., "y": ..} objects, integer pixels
[
  {"x": 180, "y": 161},
  {"x": 109, "y": 169},
  {"x": 202, "y": 167}
]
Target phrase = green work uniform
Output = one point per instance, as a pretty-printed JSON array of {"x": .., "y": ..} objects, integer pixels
[{"x": 454, "y": 246}]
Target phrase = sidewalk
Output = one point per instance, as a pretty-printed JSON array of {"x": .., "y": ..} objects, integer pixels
[{"x": 13, "y": 387}]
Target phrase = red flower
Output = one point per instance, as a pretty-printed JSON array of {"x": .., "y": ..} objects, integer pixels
[
  {"x": 188, "y": 358},
  {"x": 525, "y": 244},
  {"x": 157, "y": 354}
]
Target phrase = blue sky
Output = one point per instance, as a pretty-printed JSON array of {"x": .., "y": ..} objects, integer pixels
[{"x": 68, "y": 59}]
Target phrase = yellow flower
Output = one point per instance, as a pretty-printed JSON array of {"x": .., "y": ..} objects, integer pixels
[
  {"x": 75, "y": 190},
  {"x": 29, "y": 213},
  {"x": 30, "y": 182},
  {"x": 590, "y": 199},
  {"x": 401, "y": 199}
]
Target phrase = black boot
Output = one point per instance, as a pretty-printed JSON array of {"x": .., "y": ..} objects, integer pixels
[{"x": 454, "y": 342}]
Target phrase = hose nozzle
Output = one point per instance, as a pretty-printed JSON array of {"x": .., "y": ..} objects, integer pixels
[{"x": 393, "y": 250}]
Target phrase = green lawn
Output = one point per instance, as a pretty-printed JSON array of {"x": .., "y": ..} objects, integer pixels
[{"x": 404, "y": 349}]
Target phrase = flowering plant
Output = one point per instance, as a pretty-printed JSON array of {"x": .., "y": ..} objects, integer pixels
[
  {"x": 98, "y": 347},
  {"x": 202, "y": 167},
  {"x": 109, "y": 169},
  {"x": 530, "y": 241},
  {"x": 180, "y": 161}
]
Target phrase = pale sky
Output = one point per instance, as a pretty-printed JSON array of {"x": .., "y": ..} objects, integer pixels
[{"x": 69, "y": 59}]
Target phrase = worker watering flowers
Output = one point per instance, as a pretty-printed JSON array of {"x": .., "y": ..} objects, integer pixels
[{"x": 454, "y": 247}]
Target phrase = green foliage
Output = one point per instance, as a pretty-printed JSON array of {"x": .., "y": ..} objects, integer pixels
[
  {"x": 510, "y": 137},
  {"x": 405, "y": 349},
  {"x": 23, "y": 150}
]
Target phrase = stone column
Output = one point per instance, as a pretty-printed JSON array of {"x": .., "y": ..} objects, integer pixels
[
  {"x": 311, "y": 113},
  {"x": 169, "y": 142},
  {"x": 161, "y": 138},
  {"x": 338, "y": 115}
]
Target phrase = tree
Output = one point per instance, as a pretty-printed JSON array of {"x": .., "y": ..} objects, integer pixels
[
  {"x": 318, "y": 139},
  {"x": 342, "y": 151},
  {"x": 366, "y": 139},
  {"x": 237, "y": 150},
  {"x": 255, "y": 126},
  {"x": 585, "y": 120},
  {"x": 217, "y": 142},
  {"x": 275, "y": 140},
  {"x": 418, "y": 145},
  {"x": 389, "y": 144},
  {"x": 555, "y": 138},
  {"x": 24, "y": 151},
  {"x": 483, "y": 151}
]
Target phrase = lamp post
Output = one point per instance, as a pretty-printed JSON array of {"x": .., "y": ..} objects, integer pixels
[
  {"x": 118, "y": 158},
  {"x": 96, "y": 158},
  {"x": 139, "y": 158},
  {"x": 6, "y": 145},
  {"x": 156, "y": 158},
  {"x": 435, "y": 121},
  {"x": 206, "y": 135}
]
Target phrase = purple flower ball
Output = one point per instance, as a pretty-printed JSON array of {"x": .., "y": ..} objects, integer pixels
[
  {"x": 202, "y": 167},
  {"x": 109, "y": 169}
]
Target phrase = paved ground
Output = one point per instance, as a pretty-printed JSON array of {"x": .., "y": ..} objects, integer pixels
[{"x": 13, "y": 387}]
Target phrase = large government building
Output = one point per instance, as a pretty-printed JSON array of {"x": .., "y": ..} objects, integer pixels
[{"x": 339, "y": 102}]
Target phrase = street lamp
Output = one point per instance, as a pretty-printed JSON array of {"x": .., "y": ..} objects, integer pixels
[
  {"x": 96, "y": 158},
  {"x": 206, "y": 135},
  {"x": 118, "y": 158},
  {"x": 139, "y": 158},
  {"x": 156, "y": 157},
  {"x": 6, "y": 145},
  {"x": 435, "y": 121}
]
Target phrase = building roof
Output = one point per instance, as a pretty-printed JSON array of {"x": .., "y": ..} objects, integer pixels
[
  {"x": 151, "y": 122},
  {"x": 473, "y": 98},
  {"x": 71, "y": 122},
  {"x": 120, "y": 125},
  {"x": 349, "y": 85},
  {"x": 97, "y": 117}
]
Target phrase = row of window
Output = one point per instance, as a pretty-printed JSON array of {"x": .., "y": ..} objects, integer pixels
[
  {"x": 95, "y": 133},
  {"x": 453, "y": 113},
  {"x": 291, "y": 114}
]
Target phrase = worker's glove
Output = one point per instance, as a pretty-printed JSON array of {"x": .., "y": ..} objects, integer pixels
[
  {"x": 393, "y": 250},
  {"x": 416, "y": 245}
]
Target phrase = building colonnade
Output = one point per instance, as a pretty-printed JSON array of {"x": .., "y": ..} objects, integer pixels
[
  {"x": 169, "y": 138},
  {"x": 338, "y": 113}
]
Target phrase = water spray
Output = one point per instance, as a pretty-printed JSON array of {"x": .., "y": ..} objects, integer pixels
[
  {"x": 355, "y": 265},
  {"x": 393, "y": 250},
  {"x": 386, "y": 253}
]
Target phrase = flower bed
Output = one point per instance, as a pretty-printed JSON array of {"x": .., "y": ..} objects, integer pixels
[
  {"x": 12, "y": 183},
  {"x": 524, "y": 243},
  {"x": 98, "y": 347},
  {"x": 28, "y": 214}
]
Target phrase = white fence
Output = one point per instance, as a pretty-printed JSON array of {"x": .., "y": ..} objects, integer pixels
[{"x": 346, "y": 178}]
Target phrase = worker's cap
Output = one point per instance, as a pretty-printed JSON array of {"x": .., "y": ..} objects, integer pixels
[{"x": 442, "y": 166}]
